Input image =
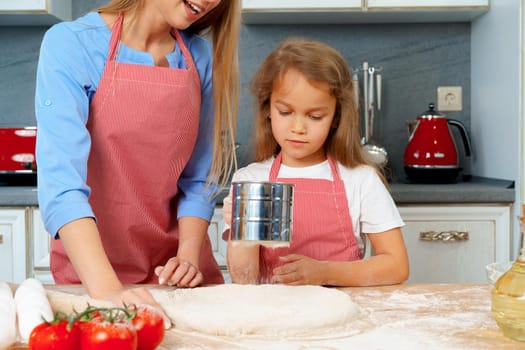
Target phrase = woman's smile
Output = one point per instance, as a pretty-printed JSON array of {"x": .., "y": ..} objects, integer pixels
[{"x": 193, "y": 7}]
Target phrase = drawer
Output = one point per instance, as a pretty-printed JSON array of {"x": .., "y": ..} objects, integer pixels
[{"x": 453, "y": 244}]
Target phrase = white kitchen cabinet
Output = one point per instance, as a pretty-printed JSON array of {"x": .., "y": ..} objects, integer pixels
[
  {"x": 13, "y": 257},
  {"x": 436, "y": 4},
  {"x": 454, "y": 243},
  {"x": 34, "y": 12},
  {"x": 40, "y": 244},
  {"x": 305, "y": 5},
  {"x": 217, "y": 243},
  {"x": 362, "y": 11}
]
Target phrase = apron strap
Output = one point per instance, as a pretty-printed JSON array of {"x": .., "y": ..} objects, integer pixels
[
  {"x": 115, "y": 37},
  {"x": 276, "y": 165},
  {"x": 184, "y": 48}
]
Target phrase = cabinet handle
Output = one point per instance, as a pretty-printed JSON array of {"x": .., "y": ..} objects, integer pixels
[
  {"x": 1, "y": 238},
  {"x": 444, "y": 236}
]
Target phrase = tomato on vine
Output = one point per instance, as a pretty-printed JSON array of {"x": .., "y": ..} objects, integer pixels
[
  {"x": 59, "y": 334},
  {"x": 150, "y": 327},
  {"x": 100, "y": 334},
  {"x": 107, "y": 329},
  {"x": 136, "y": 328}
]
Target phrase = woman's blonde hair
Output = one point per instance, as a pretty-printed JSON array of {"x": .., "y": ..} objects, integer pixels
[
  {"x": 318, "y": 62},
  {"x": 222, "y": 24}
]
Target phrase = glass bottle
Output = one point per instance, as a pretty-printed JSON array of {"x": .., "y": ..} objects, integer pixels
[{"x": 508, "y": 294}]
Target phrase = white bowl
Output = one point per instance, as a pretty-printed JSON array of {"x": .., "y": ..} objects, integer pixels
[{"x": 496, "y": 269}]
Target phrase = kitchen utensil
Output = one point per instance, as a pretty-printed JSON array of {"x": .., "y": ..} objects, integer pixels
[
  {"x": 365, "y": 100},
  {"x": 262, "y": 212},
  {"x": 375, "y": 153},
  {"x": 355, "y": 86},
  {"x": 379, "y": 87},
  {"x": 508, "y": 295},
  {"x": 17, "y": 155},
  {"x": 431, "y": 155}
]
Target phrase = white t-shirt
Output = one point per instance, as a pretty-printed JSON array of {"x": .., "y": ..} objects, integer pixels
[{"x": 371, "y": 206}]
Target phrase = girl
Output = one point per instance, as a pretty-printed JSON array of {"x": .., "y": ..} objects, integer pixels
[
  {"x": 129, "y": 140},
  {"x": 307, "y": 133}
]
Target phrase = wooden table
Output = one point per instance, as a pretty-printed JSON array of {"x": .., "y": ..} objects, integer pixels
[{"x": 409, "y": 316}]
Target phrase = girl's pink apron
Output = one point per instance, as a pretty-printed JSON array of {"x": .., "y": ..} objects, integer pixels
[
  {"x": 322, "y": 226},
  {"x": 143, "y": 124}
]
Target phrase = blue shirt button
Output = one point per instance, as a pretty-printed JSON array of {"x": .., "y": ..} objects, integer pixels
[{"x": 47, "y": 103}]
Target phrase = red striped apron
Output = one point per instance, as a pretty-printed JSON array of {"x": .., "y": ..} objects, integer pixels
[
  {"x": 322, "y": 227},
  {"x": 143, "y": 124}
]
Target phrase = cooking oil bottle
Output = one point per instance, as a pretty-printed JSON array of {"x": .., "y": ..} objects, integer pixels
[{"x": 508, "y": 294}]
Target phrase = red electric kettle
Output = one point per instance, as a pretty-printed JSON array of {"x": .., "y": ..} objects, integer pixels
[{"x": 431, "y": 155}]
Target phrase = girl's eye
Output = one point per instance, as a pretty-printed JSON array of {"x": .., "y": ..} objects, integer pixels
[
  {"x": 316, "y": 117},
  {"x": 284, "y": 112}
]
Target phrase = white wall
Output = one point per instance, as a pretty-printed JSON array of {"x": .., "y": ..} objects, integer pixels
[{"x": 496, "y": 97}]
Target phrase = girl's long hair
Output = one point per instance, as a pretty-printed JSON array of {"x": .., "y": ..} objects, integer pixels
[
  {"x": 222, "y": 25},
  {"x": 318, "y": 62}
]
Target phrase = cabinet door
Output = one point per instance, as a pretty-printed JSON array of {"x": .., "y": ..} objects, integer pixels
[
  {"x": 34, "y": 12},
  {"x": 23, "y": 5},
  {"x": 300, "y": 4},
  {"x": 450, "y": 244},
  {"x": 40, "y": 245},
  {"x": 13, "y": 257},
  {"x": 427, "y": 3}
]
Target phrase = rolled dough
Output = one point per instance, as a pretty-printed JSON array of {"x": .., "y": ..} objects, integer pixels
[{"x": 261, "y": 310}]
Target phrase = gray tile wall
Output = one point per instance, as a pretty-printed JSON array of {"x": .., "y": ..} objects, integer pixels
[{"x": 416, "y": 59}]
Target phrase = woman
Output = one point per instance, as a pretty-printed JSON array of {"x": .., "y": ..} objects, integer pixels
[{"x": 130, "y": 142}]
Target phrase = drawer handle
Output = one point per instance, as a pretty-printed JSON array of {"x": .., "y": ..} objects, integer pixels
[
  {"x": 444, "y": 236},
  {"x": 1, "y": 238}
]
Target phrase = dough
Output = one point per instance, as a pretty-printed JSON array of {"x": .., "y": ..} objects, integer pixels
[{"x": 262, "y": 310}]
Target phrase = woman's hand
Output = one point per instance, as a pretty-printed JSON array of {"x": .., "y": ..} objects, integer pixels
[
  {"x": 139, "y": 296},
  {"x": 299, "y": 270},
  {"x": 180, "y": 273}
]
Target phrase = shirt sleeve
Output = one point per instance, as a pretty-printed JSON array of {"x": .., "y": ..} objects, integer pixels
[
  {"x": 378, "y": 212},
  {"x": 63, "y": 142},
  {"x": 196, "y": 196}
]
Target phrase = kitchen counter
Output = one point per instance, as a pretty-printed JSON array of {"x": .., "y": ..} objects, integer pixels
[
  {"x": 18, "y": 196},
  {"x": 478, "y": 190},
  {"x": 409, "y": 316}
]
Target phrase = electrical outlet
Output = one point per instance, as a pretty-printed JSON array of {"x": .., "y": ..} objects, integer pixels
[{"x": 449, "y": 98}]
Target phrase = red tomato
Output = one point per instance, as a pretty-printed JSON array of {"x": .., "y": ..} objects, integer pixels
[
  {"x": 150, "y": 327},
  {"x": 99, "y": 334},
  {"x": 54, "y": 336}
]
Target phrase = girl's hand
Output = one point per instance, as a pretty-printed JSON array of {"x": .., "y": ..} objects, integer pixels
[
  {"x": 180, "y": 273},
  {"x": 299, "y": 270}
]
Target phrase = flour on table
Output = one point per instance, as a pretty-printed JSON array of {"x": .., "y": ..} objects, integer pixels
[{"x": 263, "y": 310}]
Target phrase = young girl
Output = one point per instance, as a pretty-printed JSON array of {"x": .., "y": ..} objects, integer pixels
[{"x": 307, "y": 133}]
